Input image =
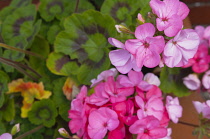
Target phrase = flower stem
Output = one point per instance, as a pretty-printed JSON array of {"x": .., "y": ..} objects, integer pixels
[
  {"x": 77, "y": 5},
  {"x": 189, "y": 124},
  {"x": 30, "y": 132}
]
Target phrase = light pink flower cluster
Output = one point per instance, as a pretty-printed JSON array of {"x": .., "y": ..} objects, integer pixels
[
  {"x": 121, "y": 107},
  {"x": 200, "y": 63},
  {"x": 203, "y": 108},
  {"x": 149, "y": 49}
]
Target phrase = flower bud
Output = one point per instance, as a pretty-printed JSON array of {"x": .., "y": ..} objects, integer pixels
[
  {"x": 122, "y": 29},
  {"x": 140, "y": 19},
  {"x": 63, "y": 133},
  {"x": 15, "y": 129}
]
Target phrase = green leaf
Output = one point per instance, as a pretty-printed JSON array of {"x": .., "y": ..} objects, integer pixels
[
  {"x": 171, "y": 81},
  {"x": 122, "y": 10},
  {"x": 63, "y": 111},
  {"x": 58, "y": 97},
  {"x": 8, "y": 110},
  {"x": 20, "y": 23},
  {"x": 3, "y": 86},
  {"x": 84, "y": 42},
  {"x": 61, "y": 64},
  {"x": 2, "y": 128},
  {"x": 145, "y": 7},
  {"x": 43, "y": 112},
  {"x": 20, "y": 3},
  {"x": 53, "y": 32},
  {"x": 50, "y": 9}
]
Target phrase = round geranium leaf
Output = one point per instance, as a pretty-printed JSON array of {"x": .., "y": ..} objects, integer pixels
[
  {"x": 21, "y": 23},
  {"x": 121, "y": 10},
  {"x": 84, "y": 39},
  {"x": 51, "y": 9},
  {"x": 43, "y": 112}
]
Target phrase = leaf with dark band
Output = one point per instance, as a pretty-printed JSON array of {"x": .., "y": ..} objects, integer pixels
[
  {"x": 83, "y": 41},
  {"x": 121, "y": 10},
  {"x": 43, "y": 112},
  {"x": 51, "y": 9},
  {"x": 61, "y": 64},
  {"x": 20, "y": 23}
]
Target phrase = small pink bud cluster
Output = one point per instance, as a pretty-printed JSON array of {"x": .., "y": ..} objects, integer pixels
[
  {"x": 124, "y": 106},
  {"x": 149, "y": 49}
]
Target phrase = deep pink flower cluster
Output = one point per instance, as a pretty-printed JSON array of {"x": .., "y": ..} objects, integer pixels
[
  {"x": 121, "y": 107},
  {"x": 151, "y": 50}
]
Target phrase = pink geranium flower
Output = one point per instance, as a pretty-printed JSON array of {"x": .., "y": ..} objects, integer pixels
[
  {"x": 146, "y": 48},
  {"x": 101, "y": 121},
  {"x": 103, "y": 76},
  {"x": 116, "y": 93},
  {"x": 125, "y": 111},
  {"x": 192, "y": 82},
  {"x": 148, "y": 128},
  {"x": 153, "y": 107},
  {"x": 121, "y": 58},
  {"x": 77, "y": 113},
  {"x": 181, "y": 48},
  {"x": 206, "y": 80},
  {"x": 100, "y": 96},
  {"x": 152, "y": 79},
  {"x": 200, "y": 62},
  {"x": 170, "y": 15},
  {"x": 6, "y": 136},
  {"x": 134, "y": 79},
  {"x": 173, "y": 108}
]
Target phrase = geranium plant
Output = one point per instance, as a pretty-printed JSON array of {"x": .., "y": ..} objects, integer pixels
[{"x": 99, "y": 69}]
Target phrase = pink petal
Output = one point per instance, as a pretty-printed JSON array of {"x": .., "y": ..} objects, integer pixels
[
  {"x": 135, "y": 77},
  {"x": 145, "y": 30},
  {"x": 192, "y": 82},
  {"x": 6, "y": 136},
  {"x": 158, "y": 132},
  {"x": 119, "y": 57},
  {"x": 175, "y": 25},
  {"x": 125, "y": 68},
  {"x": 132, "y": 45},
  {"x": 152, "y": 59},
  {"x": 137, "y": 127},
  {"x": 183, "y": 10},
  {"x": 116, "y": 43},
  {"x": 152, "y": 79},
  {"x": 156, "y": 44}
]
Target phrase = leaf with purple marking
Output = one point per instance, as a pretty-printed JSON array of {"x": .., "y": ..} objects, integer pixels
[
  {"x": 122, "y": 10},
  {"x": 85, "y": 40},
  {"x": 62, "y": 64},
  {"x": 21, "y": 23},
  {"x": 51, "y": 9}
]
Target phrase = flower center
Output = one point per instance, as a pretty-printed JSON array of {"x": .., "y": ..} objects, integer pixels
[
  {"x": 164, "y": 19},
  {"x": 105, "y": 124},
  {"x": 146, "y": 131},
  {"x": 146, "y": 44},
  {"x": 174, "y": 42}
]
